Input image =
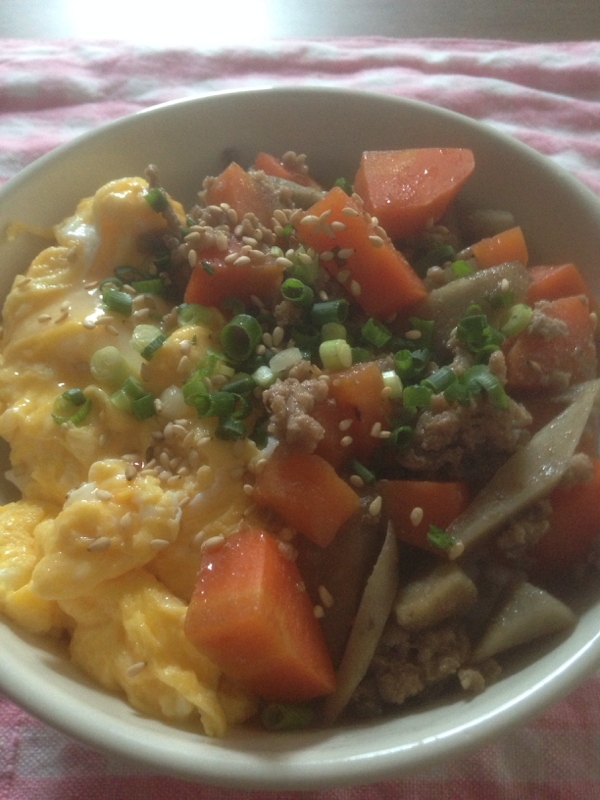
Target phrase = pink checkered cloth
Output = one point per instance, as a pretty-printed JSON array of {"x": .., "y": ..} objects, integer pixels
[{"x": 547, "y": 95}]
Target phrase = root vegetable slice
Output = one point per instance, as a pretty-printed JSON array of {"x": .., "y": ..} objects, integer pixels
[
  {"x": 371, "y": 617},
  {"x": 531, "y": 473},
  {"x": 528, "y": 613},
  {"x": 447, "y": 305}
]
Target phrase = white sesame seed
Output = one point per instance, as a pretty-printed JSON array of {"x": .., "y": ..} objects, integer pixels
[
  {"x": 342, "y": 276},
  {"x": 376, "y": 241},
  {"x": 345, "y": 424},
  {"x": 248, "y": 489},
  {"x": 413, "y": 334},
  {"x": 338, "y": 226},
  {"x": 99, "y": 544},
  {"x": 386, "y": 392},
  {"x": 309, "y": 219},
  {"x": 44, "y": 318},
  {"x": 236, "y": 473},
  {"x": 346, "y": 252},
  {"x": 126, "y": 520},
  {"x": 110, "y": 329},
  {"x": 212, "y": 542},
  {"x": 159, "y": 544},
  {"x": 356, "y": 481},
  {"x": 594, "y": 320},
  {"x": 135, "y": 669},
  {"x": 376, "y": 430},
  {"x": 346, "y": 441},
  {"x": 375, "y": 507},
  {"x": 278, "y": 334},
  {"x": 267, "y": 339},
  {"x": 348, "y": 211},
  {"x": 242, "y": 261},
  {"x": 287, "y": 550},
  {"x": 327, "y": 255},
  {"x": 130, "y": 472},
  {"x": 456, "y": 550},
  {"x": 192, "y": 258},
  {"x": 355, "y": 288},
  {"x": 325, "y": 596},
  {"x": 416, "y": 516},
  {"x": 504, "y": 285},
  {"x": 89, "y": 324},
  {"x": 318, "y": 612},
  {"x": 65, "y": 306},
  {"x": 385, "y": 434},
  {"x": 104, "y": 494}
]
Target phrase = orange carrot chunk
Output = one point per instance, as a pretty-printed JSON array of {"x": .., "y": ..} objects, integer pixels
[
  {"x": 213, "y": 280},
  {"x": 405, "y": 189},
  {"x": 251, "y": 616},
  {"x": 242, "y": 192},
  {"x": 278, "y": 169},
  {"x": 414, "y": 506},
  {"x": 307, "y": 493},
  {"x": 354, "y": 405},
  {"x": 538, "y": 360},
  {"x": 375, "y": 274},
  {"x": 506, "y": 246},
  {"x": 574, "y": 524},
  {"x": 562, "y": 280}
]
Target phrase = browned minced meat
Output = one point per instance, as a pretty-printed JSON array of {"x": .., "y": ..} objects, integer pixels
[
  {"x": 524, "y": 531},
  {"x": 290, "y": 403},
  {"x": 545, "y": 326},
  {"x": 465, "y": 441},
  {"x": 405, "y": 665}
]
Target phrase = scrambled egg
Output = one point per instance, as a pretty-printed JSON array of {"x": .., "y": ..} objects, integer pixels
[{"x": 103, "y": 547}]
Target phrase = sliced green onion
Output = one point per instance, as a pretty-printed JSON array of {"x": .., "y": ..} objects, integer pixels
[
  {"x": 416, "y": 396},
  {"x": 333, "y": 330},
  {"x": 126, "y": 274},
  {"x": 475, "y": 332},
  {"x": 231, "y": 429},
  {"x": 479, "y": 377},
  {"x": 329, "y": 311},
  {"x": 240, "y": 337},
  {"x": 306, "y": 337},
  {"x": 440, "y": 380},
  {"x": 457, "y": 393},
  {"x": 462, "y": 269},
  {"x": 517, "y": 320},
  {"x": 391, "y": 380},
  {"x": 72, "y": 406},
  {"x": 360, "y": 355},
  {"x": 286, "y": 716},
  {"x": 425, "y": 326},
  {"x": 363, "y": 472},
  {"x": 264, "y": 377},
  {"x": 304, "y": 267},
  {"x": 439, "y": 538},
  {"x": 335, "y": 354},
  {"x": 121, "y": 400},
  {"x": 376, "y": 333},
  {"x": 112, "y": 282},
  {"x": 401, "y": 437},
  {"x": 410, "y": 364},
  {"x": 344, "y": 184},
  {"x": 157, "y": 199},
  {"x": 143, "y": 336},
  {"x": 149, "y": 286},
  {"x": 117, "y": 301},
  {"x": 437, "y": 254},
  {"x": 215, "y": 404},
  {"x": 297, "y": 292},
  {"x": 154, "y": 345},
  {"x": 243, "y": 385},
  {"x": 194, "y": 388},
  {"x": 143, "y": 407},
  {"x": 233, "y": 305},
  {"x": 109, "y": 365},
  {"x": 207, "y": 266},
  {"x": 195, "y": 314}
]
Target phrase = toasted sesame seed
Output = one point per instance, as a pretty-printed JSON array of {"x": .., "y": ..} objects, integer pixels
[
  {"x": 99, "y": 544},
  {"x": 504, "y": 285},
  {"x": 456, "y": 550},
  {"x": 89, "y": 324},
  {"x": 376, "y": 430},
  {"x": 594, "y": 320},
  {"x": 346, "y": 252},
  {"x": 248, "y": 489},
  {"x": 267, "y": 339},
  {"x": 242, "y": 261},
  {"x": 192, "y": 258},
  {"x": 346, "y": 441},
  {"x": 257, "y": 255},
  {"x": 65, "y": 306},
  {"x": 338, "y": 226},
  {"x": 413, "y": 334},
  {"x": 104, "y": 494},
  {"x": 287, "y": 534},
  {"x": 90, "y": 285},
  {"x": 342, "y": 276},
  {"x": 184, "y": 364},
  {"x": 212, "y": 542},
  {"x": 318, "y": 612},
  {"x": 130, "y": 472},
  {"x": 126, "y": 520},
  {"x": 375, "y": 507},
  {"x": 102, "y": 439},
  {"x": 327, "y": 255},
  {"x": 386, "y": 392},
  {"x": 309, "y": 219},
  {"x": 278, "y": 334},
  {"x": 250, "y": 240},
  {"x": 376, "y": 241},
  {"x": 231, "y": 258},
  {"x": 159, "y": 544},
  {"x": 345, "y": 424},
  {"x": 348, "y": 211},
  {"x": 325, "y": 596},
  {"x": 135, "y": 669},
  {"x": 416, "y": 516},
  {"x": 62, "y": 317},
  {"x": 287, "y": 550},
  {"x": 110, "y": 329},
  {"x": 385, "y": 434},
  {"x": 355, "y": 289},
  {"x": 44, "y": 318},
  {"x": 221, "y": 241},
  {"x": 356, "y": 481},
  {"x": 304, "y": 258}
]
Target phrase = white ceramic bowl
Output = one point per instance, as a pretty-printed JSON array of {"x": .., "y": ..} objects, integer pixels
[{"x": 187, "y": 140}]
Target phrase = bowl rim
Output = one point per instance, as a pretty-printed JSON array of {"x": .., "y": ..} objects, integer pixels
[{"x": 390, "y": 762}]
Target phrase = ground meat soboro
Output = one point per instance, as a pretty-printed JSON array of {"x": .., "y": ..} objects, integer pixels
[{"x": 290, "y": 403}]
